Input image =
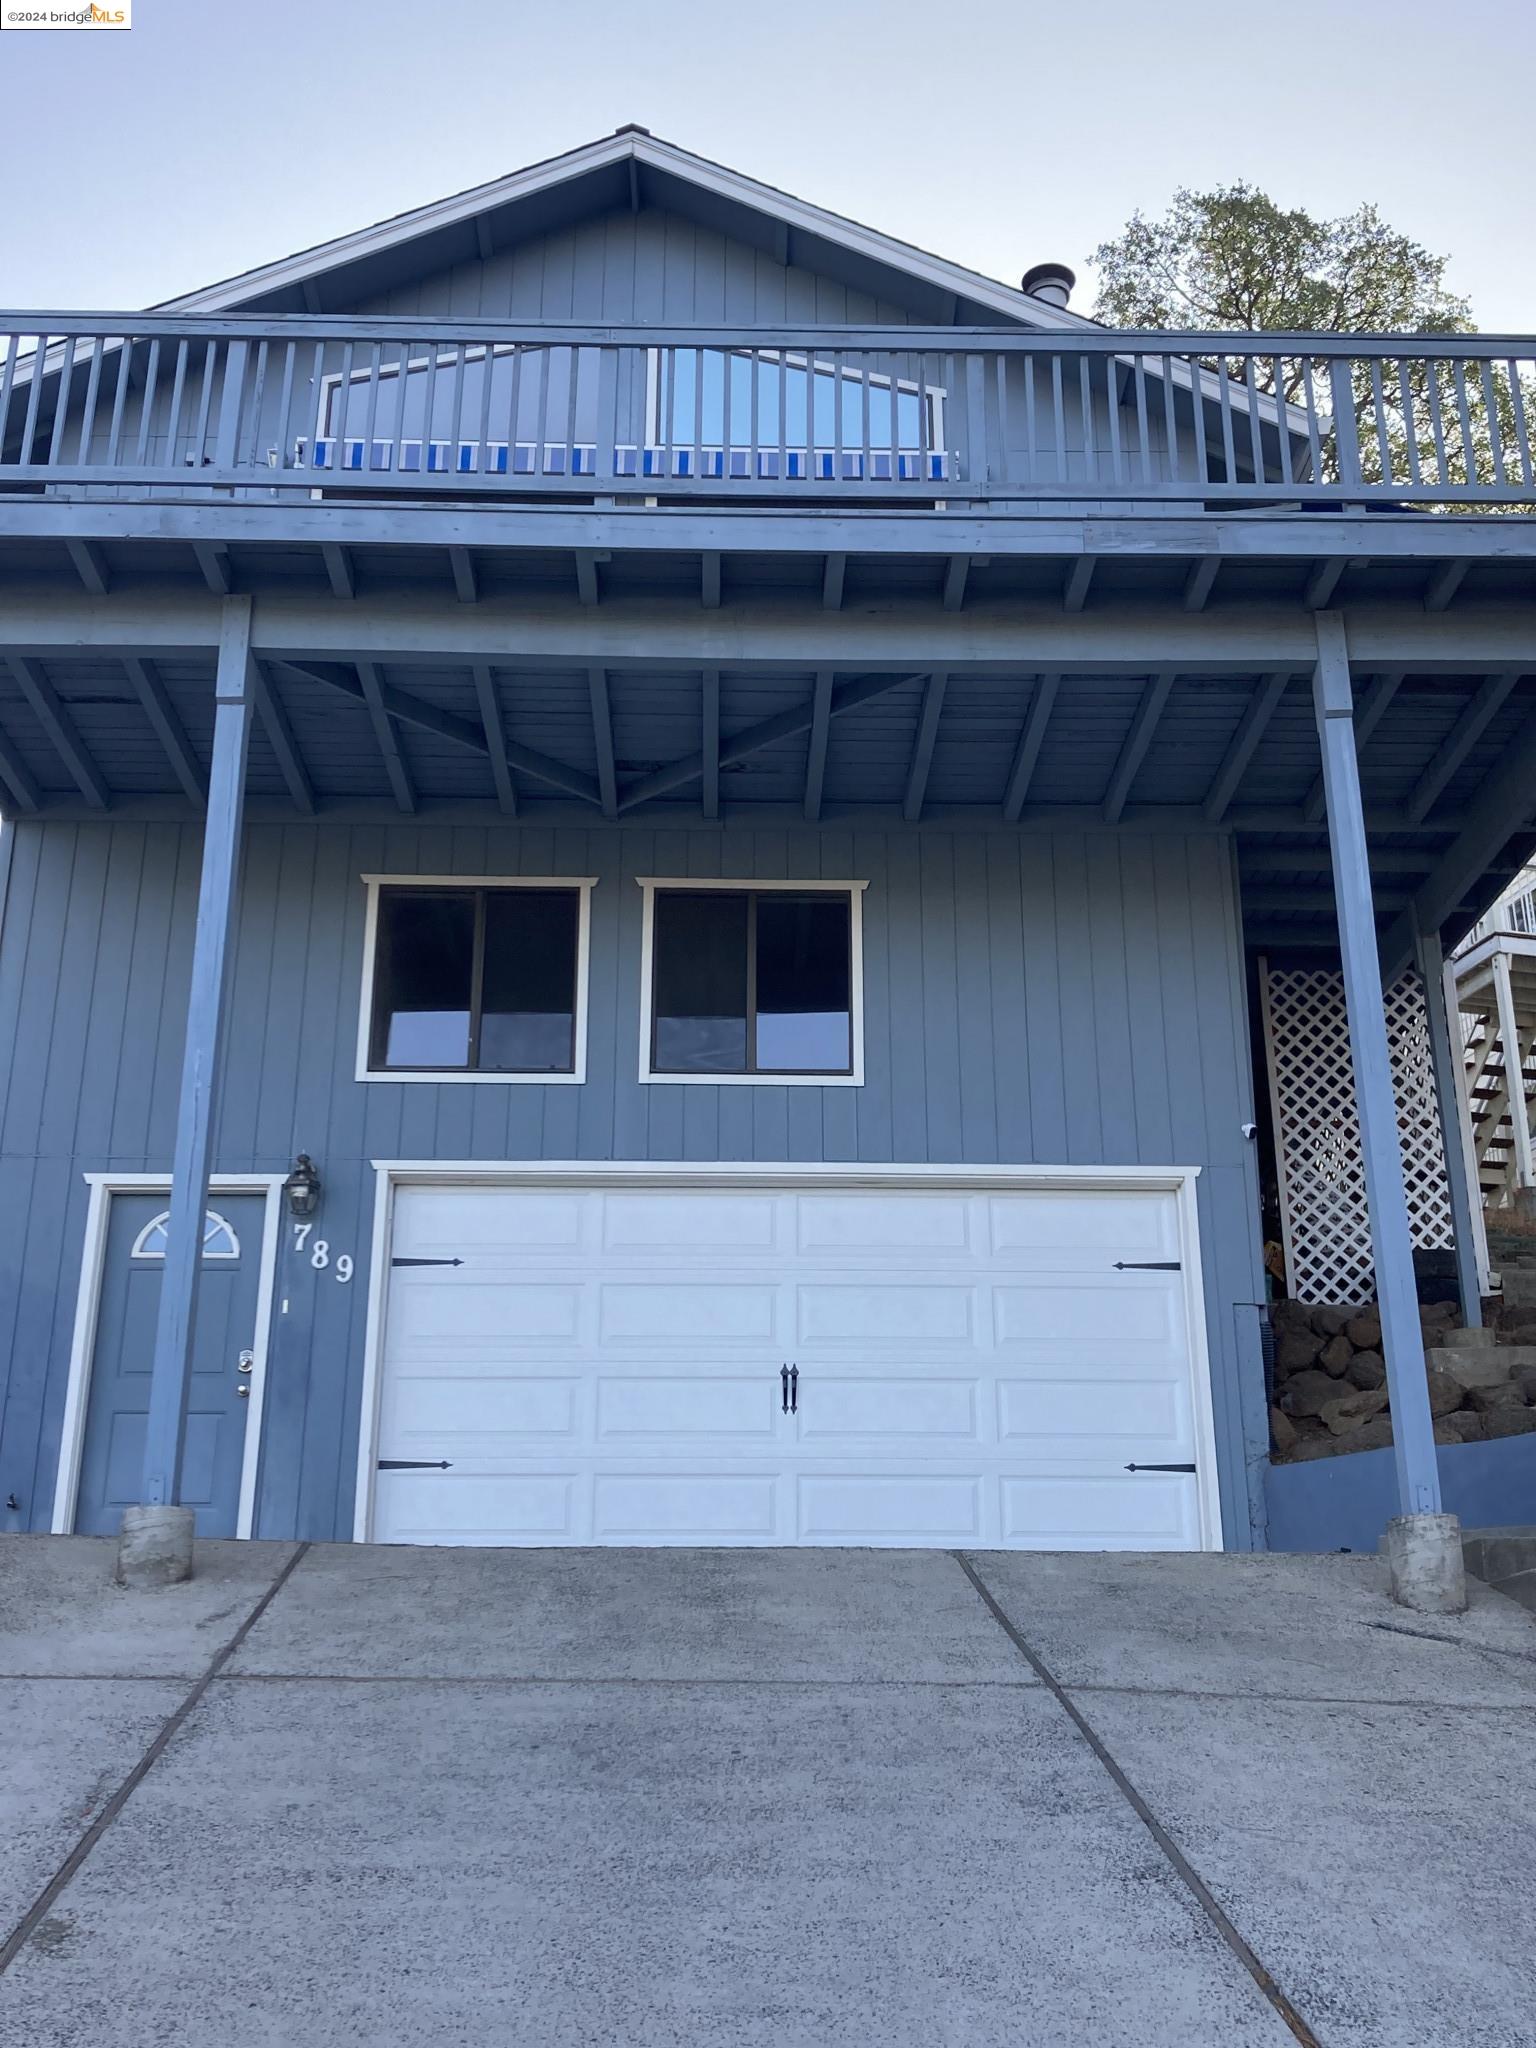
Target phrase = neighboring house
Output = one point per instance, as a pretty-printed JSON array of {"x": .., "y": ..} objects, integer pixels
[{"x": 726, "y": 780}]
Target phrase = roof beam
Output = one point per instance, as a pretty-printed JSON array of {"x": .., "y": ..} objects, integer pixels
[
  {"x": 90, "y": 566},
  {"x": 1137, "y": 741},
  {"x": 413, "y": 710},
  {"x": 213, "y": 561},
  {"x": 338, "y": 567},
  {"x": 1317, "y": 860},
  {"x": 51, "y": 715},
  {"x": 709, "y": 720},
  {"x": 274, "y": 717},
  {"x": 602, "y": 739},
  {"x": 1031, "y": 740},
  {"x": 1262, "y": 707},
  {"x": 1323, "y": 582},
  {"x": 17, "y": 778},
  {"x": 709, "y": 580},
  {"x": 923, "y": 743},
  {"x": 1271, "y": 901},
  {"x": 466, "y": 585},
  {"x": 1075, "y": 593},
  {"x": 1444, "y": 584},
  {"x": 1371, "y": 707},
  {"x": 170, "y": 732},
  {"x": 384, "y": 732},
  {"x": 782, "y": 726},
  {"x": 816, "y": 751},
  {"x": 1505, "y": 804},
  {"x": 833, "y": 575},
  {"x": 1197, "y": 585},
  {"x": 495, "y": 737},
  {"x": 1464, "y": 736},
  {"x": 956, "y": 573}
]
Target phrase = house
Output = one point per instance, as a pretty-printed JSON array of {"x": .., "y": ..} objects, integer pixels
[{"x": 646, "y": 834}]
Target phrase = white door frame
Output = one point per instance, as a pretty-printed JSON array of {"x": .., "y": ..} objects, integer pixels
[
  {"x": 93, "y": 1259},
  {"x": 1178, "y": 1181}
]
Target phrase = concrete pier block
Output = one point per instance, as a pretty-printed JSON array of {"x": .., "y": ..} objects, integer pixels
[
  {"x": 1425, "y": 1564},
  {"x": 154, "y": 1547}
]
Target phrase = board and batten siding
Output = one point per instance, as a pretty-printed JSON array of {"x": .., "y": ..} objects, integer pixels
[{"x": 1059, "y": 998}]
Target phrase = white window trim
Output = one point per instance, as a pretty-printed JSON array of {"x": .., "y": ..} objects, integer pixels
[
  {"x": 82, "y": 1348},
  {"x": 854, "y": 891},
  {"x": 582, "y": 884},
  {"x": 162, "y": 1222},
  {"x": 392, "y": 1174}
]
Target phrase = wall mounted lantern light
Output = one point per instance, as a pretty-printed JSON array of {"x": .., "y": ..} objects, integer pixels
[{"x": 302, "y": 1187}]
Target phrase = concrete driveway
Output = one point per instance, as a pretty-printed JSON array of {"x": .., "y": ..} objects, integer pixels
[{"x": 336, "y": 1796}]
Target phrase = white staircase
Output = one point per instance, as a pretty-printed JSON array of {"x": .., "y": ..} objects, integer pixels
[{"x": 1495, "y": 992}]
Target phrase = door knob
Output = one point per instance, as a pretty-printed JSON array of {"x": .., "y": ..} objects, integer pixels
[{"x": 243, "y": 1392}]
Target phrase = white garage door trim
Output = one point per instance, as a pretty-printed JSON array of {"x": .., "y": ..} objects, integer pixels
[{"x": 391, "y": 1174}]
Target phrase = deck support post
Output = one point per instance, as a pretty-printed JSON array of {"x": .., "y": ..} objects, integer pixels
[
  {"x": 156, "y": 1545},
  {"x": 1444, "y": 1052},
  {"x": 1423, "y": 1545}
]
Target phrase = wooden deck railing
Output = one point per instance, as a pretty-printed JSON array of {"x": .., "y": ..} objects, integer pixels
[{"x": 922, "y": 415}]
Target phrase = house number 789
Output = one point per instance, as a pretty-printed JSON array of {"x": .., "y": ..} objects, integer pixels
[{"x": 320, "y": 1253}]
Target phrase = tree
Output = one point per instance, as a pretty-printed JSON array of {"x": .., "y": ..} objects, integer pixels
[{"x": 1232, "y": 259}]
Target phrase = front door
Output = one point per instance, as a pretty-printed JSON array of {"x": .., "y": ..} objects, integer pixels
[{"x": 111, "y": 1470}]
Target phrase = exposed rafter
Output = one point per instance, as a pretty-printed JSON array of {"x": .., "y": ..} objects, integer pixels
[
  {"x": 90, "y": 566},
  {"x": 833, "y": 575},
  {"x": 816, "y": 750},
  {"x": 1137, "y": 741},
  {"x": 213, "y": 561},
  {"x": 1075, "y": 593},
  {"x": 1444, "y": 584},
  {"x": 170, "y": 732},
  {"x": 709, "y": 729},
  {"x": 923, "y": 742},
  {"x": 466, "y": 585},
  {"x": 602, "y": 740},
  {"x": 338, "y": 567},
  {"x": 1322, "y": 583},
  {"x": 384, "y": 732},
  {"x": 1031, "y": 740},
  {"x": 1199, "y": 582},
  {"x": 587, "y": 587},
  {"x": 63, "y": 735},
  {"x": 957, "y": 572},
  {"x": 709, "y": 580},
  {"x": 17, "y": 778},
  {"x": 495, "y": 736},
  {"x": 1468, "y": 730},
  {"x": 274, "y": 717},
  {"x": 1262, "y": 707},
  {"x": 782, "y": 726}
]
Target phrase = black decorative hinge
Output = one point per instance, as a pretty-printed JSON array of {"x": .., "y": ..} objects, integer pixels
[
  {"x": 1147, "y": 1266},
  {"x": 413, "y": 1465},
  {"x": 784, "y": 1389},
  {"x": 1159, "y": 1468},
  {"x": 794, "y": 1390},
  {"x": 426, "y": 1262}
]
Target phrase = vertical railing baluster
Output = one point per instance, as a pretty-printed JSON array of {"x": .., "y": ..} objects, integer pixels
[
  {"x": 1314, "y": 428},
  {"x": 1005, "y": 452},
  {"x": 34, "y": 400},
  {"x": 1346, "y": 431},
  {"x": 1224, "y": 400},
  {"x": 1495, "y": 434},
  {"x": 540, "y": 413},
  {"x": 1112, "y": 406},
  {"x": 1379, "y": 407},
  {"x": 895, "y": 426},
  {"x": 1516, "y": 406},
  {"x": 1197, "y": 402},
  {"x": 1084, "y": 413},
  {"x": 839, "y": 361},
  {"x": 178, "y": 392},
  {"x": 258, "y": 405},
  {"x": 226, "y": 445},
  {"x": 1437, "y": 421},
  {"x": 1170, "y": 419},
  {"x": 1255, "y": 423},
  {"x": 514, "y": 400},
  {"x": 283, "y": 438},
  {"x": 783, "y": 463},
  {"x": 456, "y": 420},
  {"x": 483, "y": 431},
  {"x": 371, "y": 410},
  {"x": 343, "y": 409},
  {"x": 61, "y": 401},
  {"x": 1031, "y": 422},
  {"x": 7, "y": 384},
  {"x": 1143, "y": 426},
  {"x": 606, "y": 430},
  {"x": 1410, "y": 423},
  {"x": 1464, "y": 418},
  {"x": 754, "y": 400},
  {"x": 147, "y": 401},
  {"x": 1059, "y": 408},
  {"x": 698, "y": 411},
  {"x": 573, "y": 379},
  {"x": 120, "y": 383},
  {"x": 204, "y": 407},
  {"x": 1282, "y": 421}
]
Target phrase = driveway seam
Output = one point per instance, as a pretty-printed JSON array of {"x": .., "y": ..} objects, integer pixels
[
  {"x": 1198, "y": 1889},
  {"x": 43, "y": 1904}
]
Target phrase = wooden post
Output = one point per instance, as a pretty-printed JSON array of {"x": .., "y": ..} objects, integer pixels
[
  {"x": 1418, "y": 1472},
  {"x": 217, "y": 895}
]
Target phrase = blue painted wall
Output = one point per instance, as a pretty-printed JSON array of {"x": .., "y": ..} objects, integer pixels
[
  {"x": 1059, "y": 998},
  {"x": 1345, "y": 1503}
]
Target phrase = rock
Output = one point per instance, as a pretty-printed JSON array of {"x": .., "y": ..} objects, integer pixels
[
  {"x": 1519, "y": 1329},
  {"x": 1353, "y": 1410},
  {"x": 1468, "y": 1427},
  {"x": 1295, "y": 1351},
  {"x": 1335, "y": 1355},
  {"x": 1506, "y": 1395},
  {"x": 1375, "y": 1435},
  {"x": 1318, "y": 1447},
  {"x": 1366, "y": 1369},
  {"x": 1483, "y": 1338},
  {"x": 1525, "y": 1380},
  {"x": 1328, "y": 1318},
  {"x": 1306, "y": 1393},
  {"x": 1364, "y": 1330},
  {"x": 1509, "y": 1421},
  {"x": 1445, "y": 1393},
  {"x": 1282, "y": 1431},
  {"x": 1289, "y": 1314},
  {"x": 1447, "y": 1430},
  {"x": 1471, "y": 1368}
]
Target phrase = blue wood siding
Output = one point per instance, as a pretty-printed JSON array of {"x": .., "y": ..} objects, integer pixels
[{"x": 1060, "y": 998}]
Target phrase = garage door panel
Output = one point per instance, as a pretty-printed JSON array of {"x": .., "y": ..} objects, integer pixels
[
  {"x": 651, "y": 1220},
  {"x": 682, "y": 1409},
  {"x": 684, "y": 1311},
  {"x": 911, "y": 1312},
  {"x": 448, "y": 1409},
  {"x": 880, "y": 1409},
  {"x": 1151, "y": 1417},
  {"x": 483, "y": 1508},
  {"x": 438, "y": 1312},
  {"x": 1113, "y": 1317},
  {"x": 1084, "y": 1511},
  {"x": 1090, "y": 1226},
  {"x": 685, "y": 1506},
  {"x": 431, "y": 1222},
  {"x": 893, "y": 1507},
  {"x": 838, "y": 1224}
]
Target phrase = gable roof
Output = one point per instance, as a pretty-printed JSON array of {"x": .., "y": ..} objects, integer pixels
[{"x": 625, "y": 169}]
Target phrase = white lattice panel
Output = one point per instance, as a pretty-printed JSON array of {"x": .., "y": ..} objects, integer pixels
[{"x": 1322, "y": 1176}]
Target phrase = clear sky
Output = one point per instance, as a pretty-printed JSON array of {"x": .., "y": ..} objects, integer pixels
[{"x": 218, "y": 134}]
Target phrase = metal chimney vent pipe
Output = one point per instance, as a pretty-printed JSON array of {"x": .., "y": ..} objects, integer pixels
[{"x": 1050, "y": 282}]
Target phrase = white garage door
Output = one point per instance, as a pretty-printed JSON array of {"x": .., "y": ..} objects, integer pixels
[{"x": 903, "y": 1365}]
